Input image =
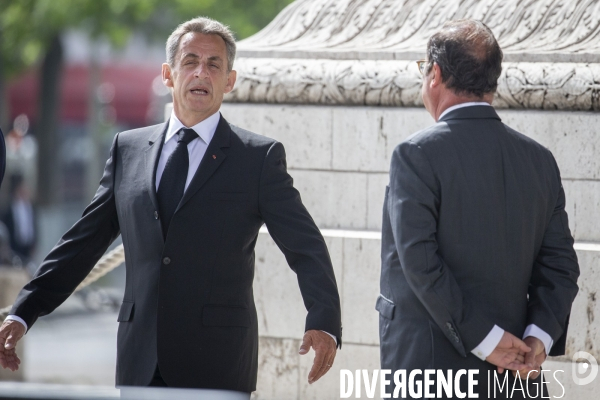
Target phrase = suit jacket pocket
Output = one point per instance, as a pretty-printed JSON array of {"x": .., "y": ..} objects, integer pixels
[
  {"x": 221, "y": 315},
  {"x": 229, "y": 196},
  {"x": 126, "y": 311},
  {"x": 385, "y": 307}
]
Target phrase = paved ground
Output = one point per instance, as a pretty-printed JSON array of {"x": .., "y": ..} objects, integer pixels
[{"x": 72, "y": 346}]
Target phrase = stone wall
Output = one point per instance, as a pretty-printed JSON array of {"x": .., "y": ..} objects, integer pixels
[
  {"x": 351, "y": 147},
  {"x": 339, "y": 158}
]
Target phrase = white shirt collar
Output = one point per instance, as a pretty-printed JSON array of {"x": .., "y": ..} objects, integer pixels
[
  {"x": 205, "y": 129},
  {"x": 461, "y": 105}
]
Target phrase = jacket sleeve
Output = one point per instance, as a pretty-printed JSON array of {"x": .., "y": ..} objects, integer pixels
[
  {"x": 76, "y": 253},
  {"x": 295, "y": 233},
  {"x": 553, "y": 284},
  {"x": 413, "y": 204}
]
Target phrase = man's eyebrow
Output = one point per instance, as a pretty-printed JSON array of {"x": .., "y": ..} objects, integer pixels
[
  {"x": 190, "y": 55},
  {"x": 215, "y": 58}
]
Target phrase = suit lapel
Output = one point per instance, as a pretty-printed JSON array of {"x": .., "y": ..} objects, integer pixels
[
  {"x": 152, "y": 155},
  {"x": 211, "y": 161}
]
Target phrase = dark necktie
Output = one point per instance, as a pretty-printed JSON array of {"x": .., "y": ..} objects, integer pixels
[{"x": 172, "y": 183}]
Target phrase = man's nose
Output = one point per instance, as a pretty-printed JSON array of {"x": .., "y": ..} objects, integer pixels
[{"x": 201, "y": 71}]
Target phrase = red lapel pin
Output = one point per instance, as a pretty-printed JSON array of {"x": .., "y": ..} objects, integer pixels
[{"x": 214, "y": 157}]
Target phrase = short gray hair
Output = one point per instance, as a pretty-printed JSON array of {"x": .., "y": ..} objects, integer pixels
[{"x": 205, "y": 26}]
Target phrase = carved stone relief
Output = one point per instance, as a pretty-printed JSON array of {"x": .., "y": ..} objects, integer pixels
[
  {"x": 362, "y": 52},
  {"x": 550, "y": 86},
  {"x": 389, "y": 29}
]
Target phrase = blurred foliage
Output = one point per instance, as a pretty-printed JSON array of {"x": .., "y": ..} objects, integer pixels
[{"x": 28, "y": 26}]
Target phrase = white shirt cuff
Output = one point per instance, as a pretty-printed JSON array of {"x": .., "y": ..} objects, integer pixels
[
  {"x": 334, "y": 338},
  {"x": 487, "y": 345},
  {"x": 536, "y": 331},
  {"x": 18, "y": 319}
]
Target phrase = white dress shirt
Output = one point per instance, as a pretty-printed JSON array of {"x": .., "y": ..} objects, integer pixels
[
  {"x": 196, "y": 148},
  {"x": 487, "y": 346},
  {"x": 462, "y": 105}
]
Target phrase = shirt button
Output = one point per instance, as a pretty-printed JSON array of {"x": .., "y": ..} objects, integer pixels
[
  {"x": 166, "y": 261},
  {"x": 155, "y": 214}
]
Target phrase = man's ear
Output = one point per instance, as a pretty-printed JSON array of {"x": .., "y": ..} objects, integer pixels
[
  {"x": 231, "y": 77},
  {"x": 436, "y": 75},
  {"x": 167, "y": 76}
]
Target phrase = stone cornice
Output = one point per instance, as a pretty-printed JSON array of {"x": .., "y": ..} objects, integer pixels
[
  {"x": 548, "y": 86},
  {"x": 362, "y": 52}
]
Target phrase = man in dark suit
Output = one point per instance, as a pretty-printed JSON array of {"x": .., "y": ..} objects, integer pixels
[
  {"x": 189, "y": 197},
  {"x": 476, "y": 250}
]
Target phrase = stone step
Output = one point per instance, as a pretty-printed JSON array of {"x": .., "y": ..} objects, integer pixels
[
  {"x": 354, "y": 200},
  {"x": 356, "y": 260}
]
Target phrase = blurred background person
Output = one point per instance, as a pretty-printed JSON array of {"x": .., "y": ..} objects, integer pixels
[
  {"x": 19, "y": 219},
  {"x": 21, "y": 155}
]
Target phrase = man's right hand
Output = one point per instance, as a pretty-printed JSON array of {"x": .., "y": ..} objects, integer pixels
[
  {"x": 533, "y": 359},
  {"x": 10, "y": 333},
  {"x": 509, "y": 353}
]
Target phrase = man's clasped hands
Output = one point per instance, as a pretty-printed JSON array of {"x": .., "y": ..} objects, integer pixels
[{"x": 522, "y": 357}]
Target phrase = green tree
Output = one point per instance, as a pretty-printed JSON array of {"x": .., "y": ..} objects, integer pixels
[{"x": 30, "y": 32}]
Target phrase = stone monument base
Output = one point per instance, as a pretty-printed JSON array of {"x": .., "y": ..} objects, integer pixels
[{"x": 339, "y": 158}]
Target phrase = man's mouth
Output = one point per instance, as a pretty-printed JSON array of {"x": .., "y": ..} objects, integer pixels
[{"x": 199, "y": 91}]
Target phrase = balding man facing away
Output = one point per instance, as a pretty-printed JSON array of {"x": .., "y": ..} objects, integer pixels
[{"x": 478, "y": 267}]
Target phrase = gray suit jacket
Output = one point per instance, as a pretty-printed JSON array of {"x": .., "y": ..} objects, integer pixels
[{"x": 474, "y": 234}]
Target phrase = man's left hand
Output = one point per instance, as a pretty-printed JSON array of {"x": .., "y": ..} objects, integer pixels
[
  {"x": 10, "y": 333},
  {"x": 325, "y": 349},
  {"x": 533, "y": 359}
]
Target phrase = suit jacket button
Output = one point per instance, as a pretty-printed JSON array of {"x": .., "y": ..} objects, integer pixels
[
  {"x": 155, "y": 214},
  {"x": 166, "y": 261}
]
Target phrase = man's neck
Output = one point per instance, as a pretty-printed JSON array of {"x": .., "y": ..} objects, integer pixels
[
  {"x": 190, "y": 120},
  {"x": 451, "y": 99}
]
